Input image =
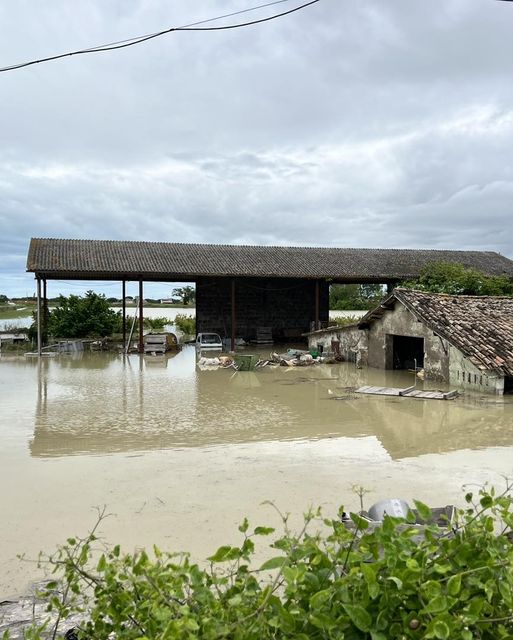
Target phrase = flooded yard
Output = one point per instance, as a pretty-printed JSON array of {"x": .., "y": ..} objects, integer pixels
[{"x": 179, "y": 456}]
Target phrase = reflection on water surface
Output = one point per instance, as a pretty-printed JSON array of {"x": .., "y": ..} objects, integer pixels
[
  {"x": 180, "y": 456},
  {"x": 103, "y": 403}
]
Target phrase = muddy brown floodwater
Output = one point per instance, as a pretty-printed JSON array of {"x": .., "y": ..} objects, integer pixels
[{"x": 179, "y": 456}]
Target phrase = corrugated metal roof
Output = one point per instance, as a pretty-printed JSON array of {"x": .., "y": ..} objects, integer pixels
[
  {"x": 89, "y": 259},
  {"x": 481, "y": 327}
]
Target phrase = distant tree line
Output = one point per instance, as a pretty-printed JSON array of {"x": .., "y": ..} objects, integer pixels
[
  {"x": 456, "y": 279},
  {"x": 438, "y": 277},
  {"x": 353, "y": 297}
]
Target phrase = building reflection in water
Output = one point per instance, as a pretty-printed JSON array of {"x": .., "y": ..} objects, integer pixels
[{"x": 101, "y": 403}]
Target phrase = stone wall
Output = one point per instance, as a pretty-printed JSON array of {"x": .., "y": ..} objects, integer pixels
[
  {"x": 352, "y": 342},
  {"x": 401, "y": 322},
  {"x": 286, "y": 305},
  {"x": 463, "y": 373}
]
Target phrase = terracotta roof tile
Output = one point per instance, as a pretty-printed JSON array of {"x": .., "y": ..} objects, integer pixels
[{"x": 481, "y": 327}]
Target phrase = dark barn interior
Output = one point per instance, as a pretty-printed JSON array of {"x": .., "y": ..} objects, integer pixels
[{"x": 287, "y": 306}]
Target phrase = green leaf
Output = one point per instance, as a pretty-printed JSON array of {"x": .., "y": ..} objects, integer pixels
[
  {"x": 397, "y": 581},
  {"x": 423, "y": 509},
  {"x": 454, "y": 585},
  {"x": 369, "y": 572},
  {"x": 225, "y": 553},
  {"x": 277, "y": 562},
  {"x": 373, "y": 590},
  {"x": 319, "y": 598},
  {"x": 360, "y": 522},
  {"x": 102, "y": 563},
  {"x": 431, "y": 589},
  {"x": 437, "y": 605},
  {"x": 441, "y": 630},
  {"x": 360, "y": 618},
  {"x": 244, "y": 526},
  {"x": 263, "y": 531},
  {"x": 486, "y": 501}
]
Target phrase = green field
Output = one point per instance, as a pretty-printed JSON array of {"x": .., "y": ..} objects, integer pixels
[{"x": 12, "y": 313}]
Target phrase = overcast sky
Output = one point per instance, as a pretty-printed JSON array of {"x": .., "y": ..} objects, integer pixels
[{"x": 351, "y": 123}]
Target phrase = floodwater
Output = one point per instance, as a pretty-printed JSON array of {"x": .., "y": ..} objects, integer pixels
[
  {"x": 179, "y": 456},
  {"x": 155, "y": 312}
]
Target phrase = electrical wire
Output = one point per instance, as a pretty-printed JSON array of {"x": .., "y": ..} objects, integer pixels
[{"x": 194, "y": 26}]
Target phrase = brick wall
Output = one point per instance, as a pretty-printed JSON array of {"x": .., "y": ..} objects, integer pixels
[{"x": 286, "y": 305}]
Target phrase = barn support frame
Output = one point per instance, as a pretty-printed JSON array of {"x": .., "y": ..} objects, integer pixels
[{"x": 141, "y": 317}]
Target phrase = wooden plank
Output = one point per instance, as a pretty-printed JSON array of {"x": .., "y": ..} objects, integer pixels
[
  {"x": 404, "y": 392},
  {"x": 409, "y": 392}
]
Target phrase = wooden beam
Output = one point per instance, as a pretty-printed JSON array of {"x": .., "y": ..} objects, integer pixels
[
  {"x": 123, "y": 307},
  {"x": 317, "y": 306},
  {"x": 44, "y": 326},
  {"x": 39, "y": 337},
  {"x": 141, "y": 318},
  {"x": 234, "y": 316}
]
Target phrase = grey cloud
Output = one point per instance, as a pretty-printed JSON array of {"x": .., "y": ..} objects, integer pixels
[{"x": 351, "y": 124}]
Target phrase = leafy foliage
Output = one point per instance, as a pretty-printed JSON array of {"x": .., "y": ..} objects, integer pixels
[
  {"x": 355, "y": 296},
  {"x": 156, "y": 324},
  {"x": 185, "y": 294},
  {"x": 455, "y": 279},
  {"x": 186, "y": 323},
  {"x": 3, "y": 298},
  {"x": 325, "y": 582},
  {"x": 83, "y": 316},
  {"x": 343, "y": 321}
]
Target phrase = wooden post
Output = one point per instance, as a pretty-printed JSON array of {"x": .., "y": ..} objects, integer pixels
[
  {"x": 123, "y": 307},
  {"x": 234, "y": 317},
  {"x": 44, "y": 324},
  {"x": 39, "y": 342},
  {"x": 317, "y": 306},
  {"x": 141, "y": 318}
]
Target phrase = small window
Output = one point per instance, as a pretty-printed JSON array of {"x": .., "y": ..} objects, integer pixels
[
  {"x": 458, "y": 374},
  {"x": 481, "y": 380},
  {"x": 470, "y": 378}
]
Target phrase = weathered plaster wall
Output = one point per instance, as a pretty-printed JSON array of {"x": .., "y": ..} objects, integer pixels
[
  {"x": 463, "y": 373},
  {"x": 285, "y": 304},
  {"x": 402, "y": 322},
  {"x": 352, "y": 341}
]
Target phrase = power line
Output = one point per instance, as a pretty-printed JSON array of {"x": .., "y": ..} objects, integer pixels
[{"x": 194, "y": 26}]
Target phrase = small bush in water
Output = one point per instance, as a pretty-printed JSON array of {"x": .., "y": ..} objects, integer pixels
[
  {"x": 323, "y": 582},
  {"x": 185, "y": 323}
]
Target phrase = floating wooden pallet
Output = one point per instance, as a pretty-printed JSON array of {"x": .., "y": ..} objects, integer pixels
[{"x": 411, "y": 392}]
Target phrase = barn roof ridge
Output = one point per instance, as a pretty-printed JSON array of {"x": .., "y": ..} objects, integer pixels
[{"x": 90, "y": 259}]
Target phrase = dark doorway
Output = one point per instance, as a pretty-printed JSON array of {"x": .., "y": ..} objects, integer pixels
[
  {"x": 408, "y": 352},
  {"x": 508, "y": 384}
]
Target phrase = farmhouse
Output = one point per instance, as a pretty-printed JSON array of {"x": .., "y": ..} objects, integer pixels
[
  {"x": 241, "y": 289},
  {"x": 463, "y": 340}
]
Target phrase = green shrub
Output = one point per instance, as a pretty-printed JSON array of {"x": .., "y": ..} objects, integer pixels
[
  {"x": 83, "y": 316},
  {"x": 343, "y": 321},
  {"x": 456, "y": 279},
  {"x": 185, "y": 323},
  {"x": 156, "y": 324},
  {"x": 325, "y": 582}
]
